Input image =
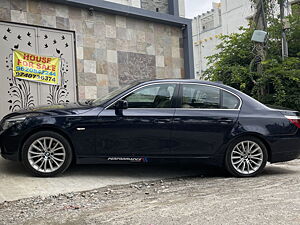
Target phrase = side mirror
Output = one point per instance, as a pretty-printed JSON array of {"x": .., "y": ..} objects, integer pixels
[
  {"x": 119, "y": 106},
  {"x": 122, "y": 104}
]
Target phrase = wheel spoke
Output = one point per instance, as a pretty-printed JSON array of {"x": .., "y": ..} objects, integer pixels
[
  {"x": 255, "y": 150},
  {"x": 243, "y": 147},
  {"x": 254, "y": 162},
  {"x": 35, "y": 153},
  {"x": 55, "y": 145},
  {"x": 238, "y": 161},
  {"x": 255, "y": 158},
  {"x": 240, "y": 150},
  {"x": 248, "y": 169},
  {"x": 259, "y": 154},
  {"x": 45, "y": 144},
  {"x": 58, "y": 154},
  {"x": 45, "y": 165},
  {"x": 54, "y": 150},
  {"x": 57, "y": 159},
  {"x": 42, "y": 164},
  {"x": 236, "y": 157},
  {"x": 239, "y": 153},
  {"x": 243, "y": 168},
  {"x": 40, "y": 143},
  {"x": 35, "y": 156},
  {"x": 253, "y": 144},
  {"x": 50, "y": 164},
  {"x": 251, "y": 165},
  {"x": 36, "y": 162},
  {"x": 57, "y": 164},
  {"x": 50, "y": 143},
  {"x": 37, "y": 148}
]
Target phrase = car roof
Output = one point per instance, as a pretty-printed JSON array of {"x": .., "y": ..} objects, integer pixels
[{"x": 218, "y": 84}]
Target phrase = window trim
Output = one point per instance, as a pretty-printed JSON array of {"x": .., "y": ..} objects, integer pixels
[
  {"x": 209, "y": 85},
  {"x": 175, "y": 94}
]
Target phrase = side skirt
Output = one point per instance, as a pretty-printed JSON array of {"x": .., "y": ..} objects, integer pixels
[{"x": 143, "y": 159}]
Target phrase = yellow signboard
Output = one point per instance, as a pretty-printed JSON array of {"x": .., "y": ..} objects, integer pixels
[{"x": 36, "y": 68}]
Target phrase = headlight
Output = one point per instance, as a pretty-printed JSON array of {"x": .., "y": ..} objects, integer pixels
[
  {"x": 16, "y": 120},
  {"x": 12, "y": 121}
]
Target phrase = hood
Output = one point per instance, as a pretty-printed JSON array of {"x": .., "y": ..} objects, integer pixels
[{"x": 54, "y": 110}]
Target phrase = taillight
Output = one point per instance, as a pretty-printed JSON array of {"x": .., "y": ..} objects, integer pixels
[{"x": 295, "y": 120}]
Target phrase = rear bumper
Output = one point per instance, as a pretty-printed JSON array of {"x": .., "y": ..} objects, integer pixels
[
  {"x": 285, "y": 148},
  {"x": 284, "y": 156}
]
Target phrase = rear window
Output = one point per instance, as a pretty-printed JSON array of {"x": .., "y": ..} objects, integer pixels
[
  {"x": 200, "y": 97},
  {"x": 230, "y": 101}
]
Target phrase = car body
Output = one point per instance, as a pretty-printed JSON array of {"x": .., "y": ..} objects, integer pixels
[{"x": 160, "y": 119}]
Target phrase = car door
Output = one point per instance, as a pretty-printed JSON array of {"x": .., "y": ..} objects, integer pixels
[
  {"x": 204, "y": 118},
  {"x": 144, "y": 128}
]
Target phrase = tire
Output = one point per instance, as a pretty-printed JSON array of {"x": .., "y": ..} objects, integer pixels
[
  {"x": 46, "y": 154},
  {"x": 242, "y": 163}
]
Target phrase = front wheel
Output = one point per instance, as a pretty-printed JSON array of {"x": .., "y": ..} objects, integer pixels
[
  {"x": 246, "y": 157},
  {"x": 46, "y": 154}
]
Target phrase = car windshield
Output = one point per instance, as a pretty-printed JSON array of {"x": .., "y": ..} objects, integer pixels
[{"x": 111, "y": 95}]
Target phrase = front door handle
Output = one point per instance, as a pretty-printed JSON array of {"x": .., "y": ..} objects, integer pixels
[{"x": 162, "y": 121}]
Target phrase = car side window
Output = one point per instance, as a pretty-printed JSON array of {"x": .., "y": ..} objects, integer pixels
[
  {"x": 152, "y": 96},
  {"x": 230, "y": 101},
  {"x": 200, "y": 97}
]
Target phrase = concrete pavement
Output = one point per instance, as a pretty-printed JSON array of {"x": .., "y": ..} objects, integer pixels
[
  {"x": 271, "y": 198},
  {"x": 17, "y": 183}
]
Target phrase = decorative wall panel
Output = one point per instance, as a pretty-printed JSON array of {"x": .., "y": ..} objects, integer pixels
[{"x": 19, "y": 94}]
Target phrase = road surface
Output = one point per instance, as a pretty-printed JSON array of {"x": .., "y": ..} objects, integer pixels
[{"x": 211, "y": 197}]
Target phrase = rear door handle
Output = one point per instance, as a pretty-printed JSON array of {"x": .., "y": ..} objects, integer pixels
[{"x": 225, "y": 121}]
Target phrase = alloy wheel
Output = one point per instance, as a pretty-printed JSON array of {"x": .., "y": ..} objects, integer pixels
[
  {"x": 46, "y": 154},
  {"x": 247, "y": 157}
]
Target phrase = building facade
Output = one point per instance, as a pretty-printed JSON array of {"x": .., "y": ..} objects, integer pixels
[
  {"x": 225, "y": 17},
  {"x": 103, "y": 45}
]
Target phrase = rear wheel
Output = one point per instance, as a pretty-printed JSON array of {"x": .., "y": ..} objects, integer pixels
[
  {"x": 46, "y": 154},
  {"x": 246, "y": 157}
]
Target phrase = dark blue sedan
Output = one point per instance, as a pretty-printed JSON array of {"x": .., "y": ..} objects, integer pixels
[{"x": 151, "y": 121}]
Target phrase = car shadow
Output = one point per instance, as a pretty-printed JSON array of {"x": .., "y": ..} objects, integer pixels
[
  {"x": 272, "y": 170},
  {"x": 145, "y": 171},
  {"x": 131, "y": 170}
]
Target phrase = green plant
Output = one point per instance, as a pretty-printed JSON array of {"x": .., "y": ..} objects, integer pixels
[{"x": 279, "y": 83}]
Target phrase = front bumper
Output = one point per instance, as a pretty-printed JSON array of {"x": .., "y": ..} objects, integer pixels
[
  {"x": 9, "y": 146},
  {"x": 12, "y": 156}
]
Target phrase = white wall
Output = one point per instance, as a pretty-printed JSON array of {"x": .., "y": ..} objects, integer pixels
[
  {"x": 134, "y": 3},
  {"x": 137, "y": 3},
  {"x": 234, "y": 14},
  {"x": 181, "y": 8},
  {"x": 205, "y": 41}
]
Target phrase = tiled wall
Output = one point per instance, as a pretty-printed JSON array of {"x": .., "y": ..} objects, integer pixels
[{"x": 111, "y": 50}]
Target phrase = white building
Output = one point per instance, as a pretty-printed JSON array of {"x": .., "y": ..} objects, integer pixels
[
  {"x": 155, "y": 5},
  {"x": 224, "y": 18}
]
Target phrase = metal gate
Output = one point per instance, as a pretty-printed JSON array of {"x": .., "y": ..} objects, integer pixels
[{"x": 16, "y": 94}]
